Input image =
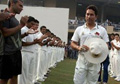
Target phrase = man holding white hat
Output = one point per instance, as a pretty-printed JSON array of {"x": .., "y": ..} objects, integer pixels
[{"x": 92, "y": 50}]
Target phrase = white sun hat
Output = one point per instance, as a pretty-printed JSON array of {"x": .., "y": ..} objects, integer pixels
[{"x": 98, "y": 50}]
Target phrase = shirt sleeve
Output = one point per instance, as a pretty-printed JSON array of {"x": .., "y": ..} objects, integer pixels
[
  {"x": 38, "y": 36},
  {"x": 105, "y": 36},
  {"x": 24, "y": 39},
  {"x": 22, "y": 32},
  {"x": 75, "y": 36}
]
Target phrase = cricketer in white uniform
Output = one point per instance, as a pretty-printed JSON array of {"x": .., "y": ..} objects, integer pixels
[
  {"x": 116, "y": 61},
  {"x": 28, "y": 54},
  {"x": 86, "y": 72}
]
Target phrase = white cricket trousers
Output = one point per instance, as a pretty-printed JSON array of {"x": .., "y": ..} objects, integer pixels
[
  {"x": 27, "y": 68},
  {"x": 85, "y": 72}
]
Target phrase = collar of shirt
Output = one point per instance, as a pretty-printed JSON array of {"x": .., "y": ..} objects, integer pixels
[{"x": 96, "y": 26}]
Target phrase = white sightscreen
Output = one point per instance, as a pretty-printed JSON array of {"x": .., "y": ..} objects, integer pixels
[{"x": 55, "y": 19}]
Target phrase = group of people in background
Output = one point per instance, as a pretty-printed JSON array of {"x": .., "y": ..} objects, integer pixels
[
  {"x": 70, "y": 53},
  {"x": 114, "y": 56},
  {"x": 31, "y": 55},
  {"x": 111, "y": 65}
]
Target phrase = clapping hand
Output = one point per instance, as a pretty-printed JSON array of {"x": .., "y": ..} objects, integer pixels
[
  {"x": 5, "y": 16},
  {"x": 31, "y": 31},
  {"x": 23, "y": 20}
]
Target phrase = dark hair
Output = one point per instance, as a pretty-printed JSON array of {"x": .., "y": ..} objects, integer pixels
[
  {"x": 47, "y": 30},
  {"x": 116, "y": 34},
  {"x": 94, "y": 8},
  {"x": 14, "y": 1},
  {"x": 52, "y": 33},
  {"x": 42, "y": 27},
  {"x": 36, "y": 21},
  {"x": 112, "y": 34},
  {"x": 30, "y": 19}
]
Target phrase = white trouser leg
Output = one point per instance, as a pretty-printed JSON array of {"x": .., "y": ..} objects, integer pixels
[
  {"x": 115, "y": 65},
  {"x": 35, "y": 66},
  {"x": 31, "y": 69},
  {"x": 80, "y": 76},
  {"x": 41, "y": 64},
  {"x": 27, "y": 68},
  {"x": 92, "y": 76},
  {"x": 118, "y": 67}
]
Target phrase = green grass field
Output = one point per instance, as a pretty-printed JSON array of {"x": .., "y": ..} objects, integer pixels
[{"x": 63, "y": 73}]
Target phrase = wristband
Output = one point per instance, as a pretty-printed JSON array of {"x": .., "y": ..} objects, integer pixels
[{"x": 26, "y": 34}]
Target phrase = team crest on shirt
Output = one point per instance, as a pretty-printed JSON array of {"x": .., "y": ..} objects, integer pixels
[{"x": 97, "y": 33}]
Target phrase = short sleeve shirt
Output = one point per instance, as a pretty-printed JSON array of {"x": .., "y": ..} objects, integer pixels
[
  {"x": 83, "y": 33},
  {"x": 13, "y": 42},
  {"x": 38, "y": 35},
  {"x": 116, "y": 43},
  {"x": 29, "y": 38}
]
